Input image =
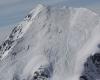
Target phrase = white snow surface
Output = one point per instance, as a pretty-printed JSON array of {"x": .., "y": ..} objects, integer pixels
[{"x": 57, "y": 41}]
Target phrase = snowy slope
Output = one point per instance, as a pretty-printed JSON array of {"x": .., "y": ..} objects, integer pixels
[{"x": 52, "y": 44}]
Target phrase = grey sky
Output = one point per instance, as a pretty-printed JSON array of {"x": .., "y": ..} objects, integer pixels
[{"x": 13, "y": 11}]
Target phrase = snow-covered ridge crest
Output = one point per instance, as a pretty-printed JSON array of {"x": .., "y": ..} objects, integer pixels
[
  {"x": 19, "y": 31},
  {"x": 33, "y": 13}
]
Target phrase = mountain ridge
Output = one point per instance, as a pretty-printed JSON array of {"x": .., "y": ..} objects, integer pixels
[{"x": 46, "y": 43}]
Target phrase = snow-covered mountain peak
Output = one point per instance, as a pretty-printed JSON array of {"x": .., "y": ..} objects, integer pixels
[
  {"x": 33, "y": 13},
  {"x": 47, "y": 44},
  {"x": 39, "y": 6}
]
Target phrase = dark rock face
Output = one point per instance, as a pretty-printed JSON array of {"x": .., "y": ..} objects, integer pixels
[
  {"x": 91, "y": 68},
  {"x": 83, "y": 78},
  {"x": 28, "y": 17},
  {"x": 96, "y": 59},
  {"x": 43, "y": 73}
]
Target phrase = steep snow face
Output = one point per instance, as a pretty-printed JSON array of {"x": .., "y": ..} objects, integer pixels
[{"x": 51, "y": 44}]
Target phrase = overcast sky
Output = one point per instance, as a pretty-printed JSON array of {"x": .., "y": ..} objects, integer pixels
[{"x": 13, "y": 11}]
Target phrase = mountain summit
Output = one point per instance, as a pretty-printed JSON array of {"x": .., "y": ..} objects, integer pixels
[{"x": 52, "y": 44}]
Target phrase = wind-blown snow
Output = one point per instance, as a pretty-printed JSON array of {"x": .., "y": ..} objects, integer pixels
[{"x": 51, "y": 44}]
